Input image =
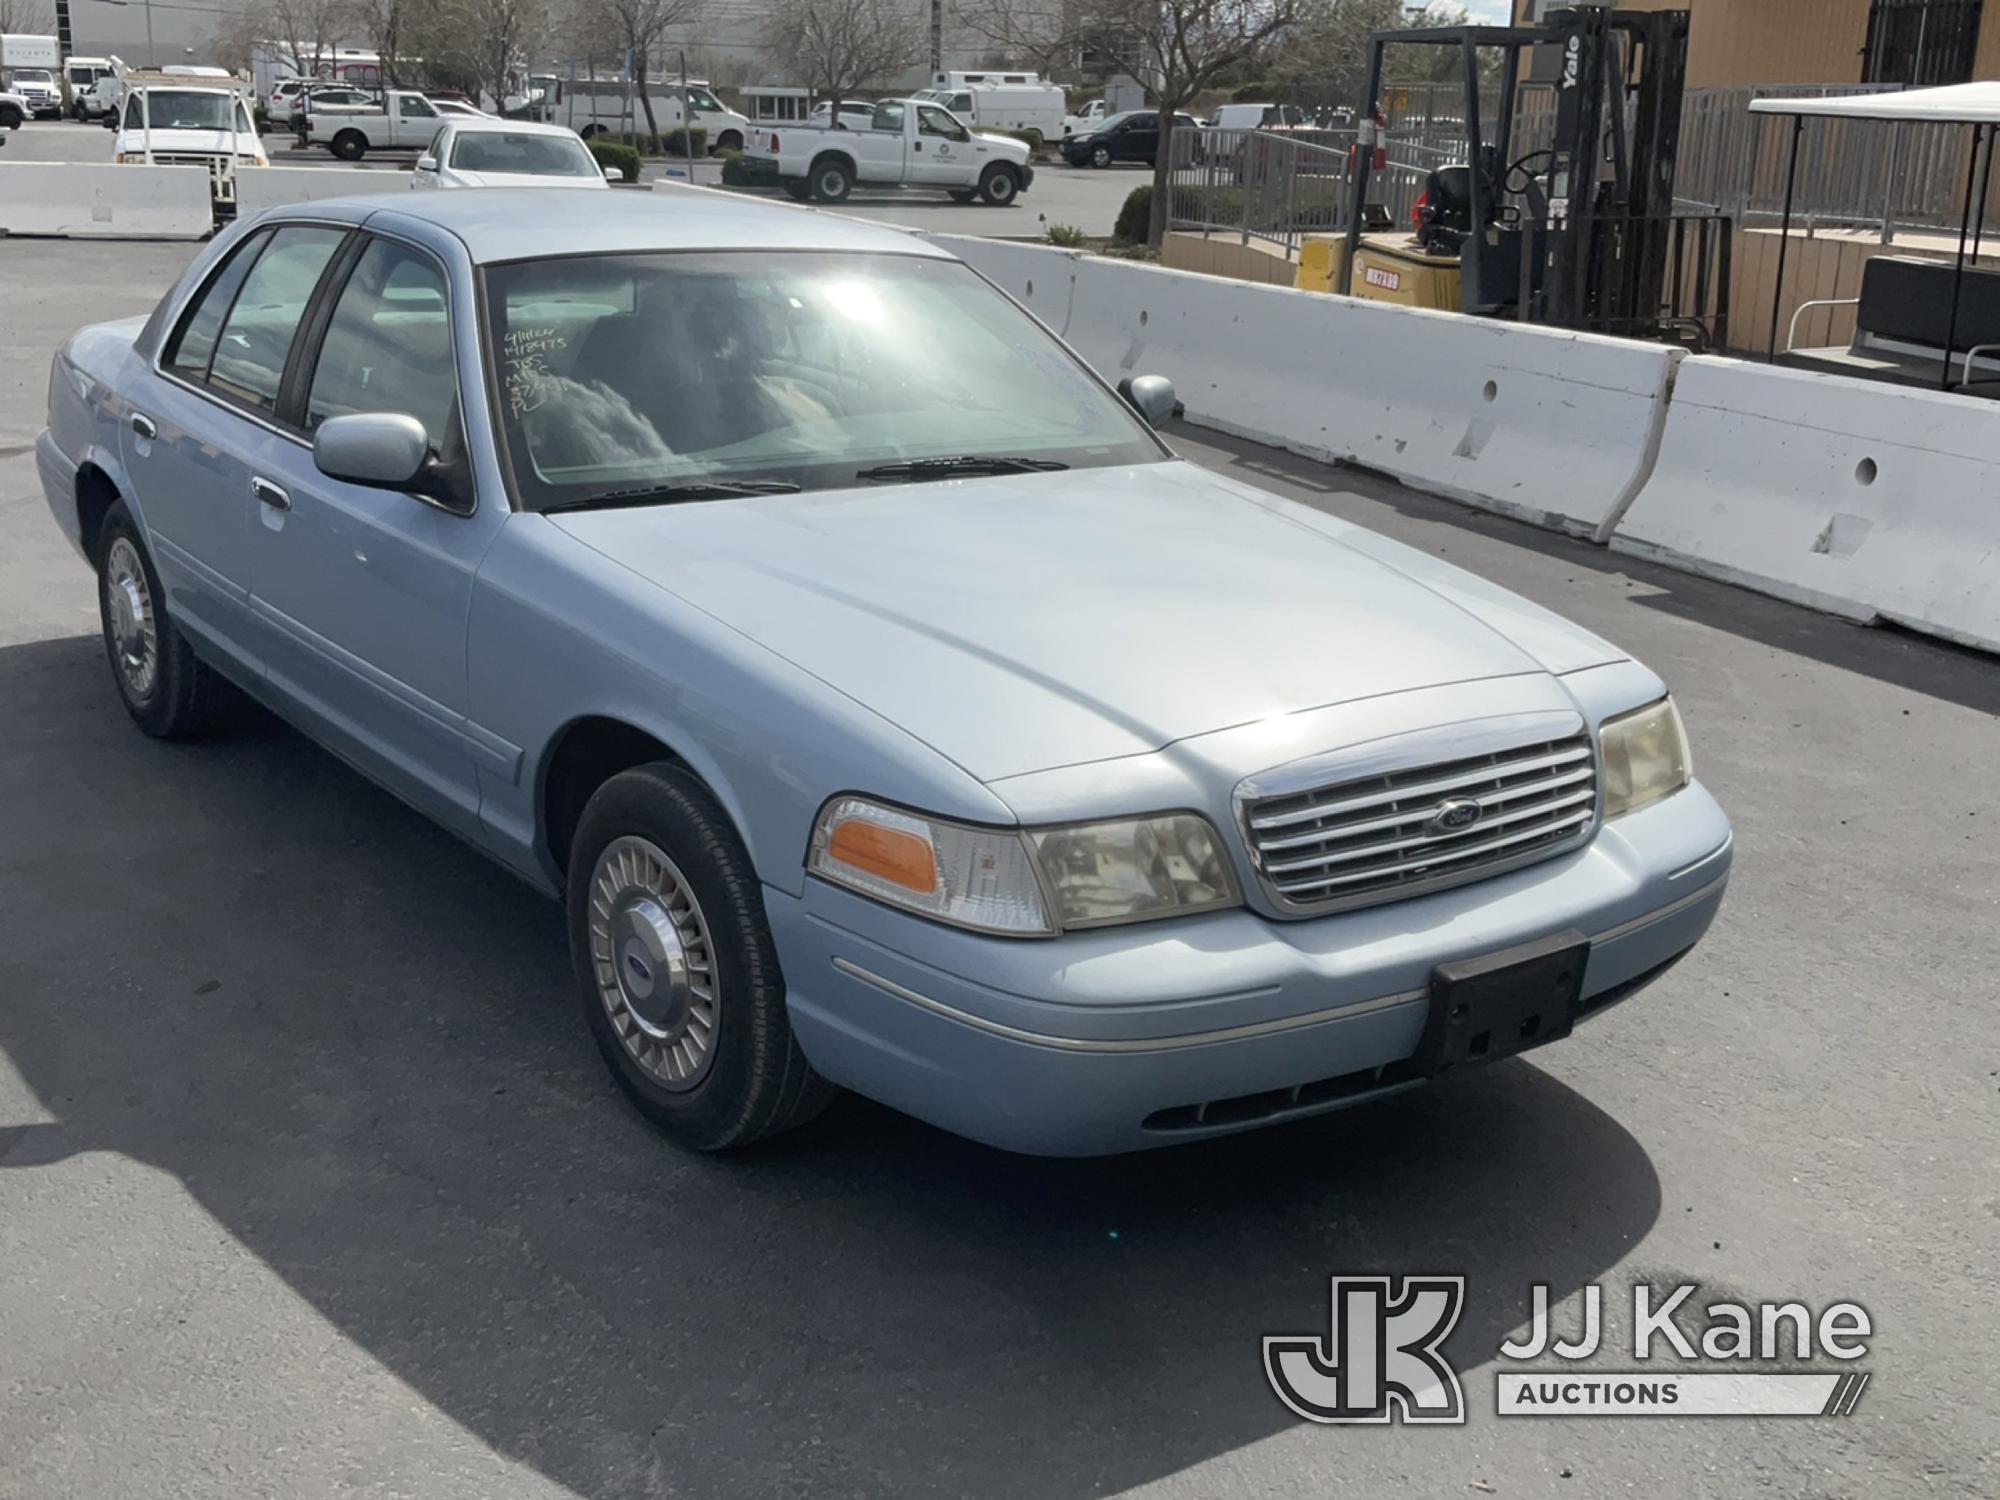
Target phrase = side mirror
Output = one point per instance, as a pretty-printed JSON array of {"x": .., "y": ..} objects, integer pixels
[
  {"x": 387, "y": 450},
  {"x": 1151, "y": 396},
  {"x": 613, "y": 174},
  {"x": 427, "y": 164}
]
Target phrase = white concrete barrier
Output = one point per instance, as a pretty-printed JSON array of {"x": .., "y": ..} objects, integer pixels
[
  {"x": 100, "y": 201},
  {"x": 1039, "y": 277},
  {"x": 259, "y": 188},
  {"x": 1556, "y": 428},
  {"x": 1866, "y": 499}
]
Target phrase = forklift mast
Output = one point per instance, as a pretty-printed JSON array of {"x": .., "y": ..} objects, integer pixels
[{"x": 1600, "y": 256}]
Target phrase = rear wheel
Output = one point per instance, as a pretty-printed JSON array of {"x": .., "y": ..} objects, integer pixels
[
  {"x": 164, "y": 687},
  {"x": 350, "y": 145},
  {"x": 675, "y": 966},
  {"x": 10, "y": 117},
  {"x": 832, "y": 180},
  {"x": 998, "y": 184}
]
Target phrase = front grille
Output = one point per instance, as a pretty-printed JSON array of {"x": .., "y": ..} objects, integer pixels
[
  {"x": 221, "y": 173},
  {"x": 1379, "y": 838}
]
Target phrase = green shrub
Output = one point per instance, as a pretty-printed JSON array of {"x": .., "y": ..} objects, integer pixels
[
  {"x": 739, "y": 170},
  {"x": 1031, "y": 137},
  {"x": 679, "y": 142},
  {"x": 610, "y": 153},
  {"x": 1135, "y": 218},
  {"x": 672, "y": 143},
  {"x": 1068, "y": 236}
]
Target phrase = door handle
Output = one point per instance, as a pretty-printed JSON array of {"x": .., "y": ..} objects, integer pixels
[
  {"x": 142, "y": 426},
  {"x": 269, "y": 493}
]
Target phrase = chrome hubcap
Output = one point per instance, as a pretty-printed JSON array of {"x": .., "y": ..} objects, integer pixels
[
  {"x": 134, "y": 636},
  {"x": 653, "y": 962}
]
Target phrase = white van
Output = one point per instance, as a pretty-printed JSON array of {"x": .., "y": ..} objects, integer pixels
[
  {"x": 1006, "y": 106},
  {"x": 1257, "y": 117},
  {"x": 81, "y": 75},
  {"x": 591, "y": 106}
]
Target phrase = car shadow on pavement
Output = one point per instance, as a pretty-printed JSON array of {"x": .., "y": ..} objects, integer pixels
[{"x": 353, "y": 1041}]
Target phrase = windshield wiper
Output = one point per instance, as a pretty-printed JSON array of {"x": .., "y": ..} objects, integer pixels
[
  {"x": 965, "y": 463},
  {"x": 668, "y": 494}
]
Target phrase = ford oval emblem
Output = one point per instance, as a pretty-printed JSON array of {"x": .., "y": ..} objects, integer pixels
[{"x": 1456, "y": 815}]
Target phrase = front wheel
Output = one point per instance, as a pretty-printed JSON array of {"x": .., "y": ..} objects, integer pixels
[
  {"x": 350, "y": 145},
  {"x": 1100, "y": 156},
  {"x": 675, "y": 965},
  {"x": 10, "y": 117},
  {"x": 831, "y": 180},
  {"x": 998, "y": 185},
  {"x": 164, "y": 686},
  {"x": 729, "y": 140}
]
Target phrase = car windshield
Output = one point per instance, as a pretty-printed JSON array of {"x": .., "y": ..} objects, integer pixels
[
  {"x": 522, "y": 151},
  {"x": 184, "y": 109},
  {"x": 33, "y": 75},
  {"x": 623, "y": 372}
]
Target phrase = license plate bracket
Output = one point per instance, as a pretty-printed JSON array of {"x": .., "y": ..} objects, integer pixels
[{"x": 1501, "y": 1004}]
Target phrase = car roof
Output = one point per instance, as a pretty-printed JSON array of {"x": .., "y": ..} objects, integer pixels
[
  {"x": 499, "y": 224},
  {"x": 490, "y": 125}
]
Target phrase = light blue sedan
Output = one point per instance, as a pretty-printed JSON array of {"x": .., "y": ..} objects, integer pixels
[{"x": 889, "y": 705}]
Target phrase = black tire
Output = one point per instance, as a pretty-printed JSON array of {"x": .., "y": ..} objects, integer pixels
[
  {"x": 755, "y": 1082},
  {"x": 1100, "y": 156},
  {"x": 350, "y": 145},
  {"x": 590, "y": 131},
  {"x": 10, "y": 117},
  {"x": 832, "y": 179},
  {"x": 798, "y": 188},
  {"x": 999, "y": 185},
  {"x": 729, "y": 140},
  {"x": 183, "y": 697},
  {"x": 962, "y": 195}
]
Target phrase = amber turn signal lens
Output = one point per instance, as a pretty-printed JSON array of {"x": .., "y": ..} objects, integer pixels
[{"x": 890, "y": 854}]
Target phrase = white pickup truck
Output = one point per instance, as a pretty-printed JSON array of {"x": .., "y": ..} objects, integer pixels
[
  {"x": 404, "y": 121},
  {"x": 908, "y": 143}
]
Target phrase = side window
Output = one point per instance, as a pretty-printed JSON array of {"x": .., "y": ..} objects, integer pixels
[
  {"x": 388, "y": 345},
  {"x": 961, "y": 104},
  {"x": 888, "y": 117},
  {"x": 188, "y": 354},
  {"x": 133, "y": 119},
  {"x": 250, "y": 355},
  {"x": 416, "y": 107},
  {"x": 933, "y": 121}
]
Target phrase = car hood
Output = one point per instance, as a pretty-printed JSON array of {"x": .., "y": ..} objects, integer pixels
[
  {"x": 1025, "y": 622},
  {"x": 192, "y": 142},
  {"x": 460, "y": 178}
]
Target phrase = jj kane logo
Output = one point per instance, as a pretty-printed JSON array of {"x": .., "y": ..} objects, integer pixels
[
  {"x": 1382, "y": 1352},
  {"x": 1381, "y": 1359}
]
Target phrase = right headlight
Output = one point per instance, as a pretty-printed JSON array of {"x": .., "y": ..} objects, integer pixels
[
  {"x": 1645, "y": 755},
  {"x": 1032, "y": 882}
]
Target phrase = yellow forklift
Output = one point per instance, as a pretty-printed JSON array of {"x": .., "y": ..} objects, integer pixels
[{"x": 1579, "y": 234}]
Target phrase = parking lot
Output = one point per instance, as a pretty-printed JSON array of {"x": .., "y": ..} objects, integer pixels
[
  {"x": 1077, "y": 196},
  {"x": 311, "y": 1182}
]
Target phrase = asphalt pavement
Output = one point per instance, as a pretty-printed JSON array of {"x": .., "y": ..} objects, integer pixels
[{"x": 311, "y": 1183}]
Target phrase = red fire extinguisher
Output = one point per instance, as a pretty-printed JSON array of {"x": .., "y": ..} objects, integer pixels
[{"x": 1371, "y": 132}]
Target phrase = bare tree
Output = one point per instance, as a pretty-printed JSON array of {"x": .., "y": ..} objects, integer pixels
[
  {"x": 387, "y": 27},
  {"x": 835, "y": 46},
  {"x": 33, "y": 17},
  {"x": 488, "y": 41},
  {"x": 305, "y": 32},
  {"x": 1324, "y": 59},
  {"x": 1177, "y": 48},
  {"x": 640, "y": 26}
]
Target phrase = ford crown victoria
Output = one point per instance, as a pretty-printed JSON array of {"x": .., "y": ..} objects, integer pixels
[{"x": 940, "y": 736}]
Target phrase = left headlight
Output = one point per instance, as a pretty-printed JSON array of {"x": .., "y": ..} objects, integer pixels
[
  {"x": 1645, "y": 757},
  {"x": 1031, "y": 882}
]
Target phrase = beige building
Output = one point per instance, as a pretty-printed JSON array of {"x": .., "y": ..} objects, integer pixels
[{"x": 1737, "y": 42}]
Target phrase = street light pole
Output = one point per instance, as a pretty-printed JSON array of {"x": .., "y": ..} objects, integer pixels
[{"x": 152, "y": 60}]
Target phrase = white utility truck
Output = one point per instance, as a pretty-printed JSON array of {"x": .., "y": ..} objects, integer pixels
[
  {"x": 908, "y": 143},
  {"x": 404, "y": 121},
  {"x": 172, "y": 122}
]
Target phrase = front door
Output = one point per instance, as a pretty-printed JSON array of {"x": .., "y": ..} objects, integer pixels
[
  {"x": 364, "y": 592},
  {"x": 942, "y": 150},
  {"x": 192, "y": 436}
]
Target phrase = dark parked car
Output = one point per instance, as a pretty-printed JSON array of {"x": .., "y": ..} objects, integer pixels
[{"x": 1132, "y": 136}]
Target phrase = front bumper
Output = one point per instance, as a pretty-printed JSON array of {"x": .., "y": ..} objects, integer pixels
[{"x": 1125, "y": 1038}]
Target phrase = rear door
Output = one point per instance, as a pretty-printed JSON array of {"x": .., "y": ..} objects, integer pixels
[
  {"x": 198, "y": 426},
  {"x": 363, "y": 592}
]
